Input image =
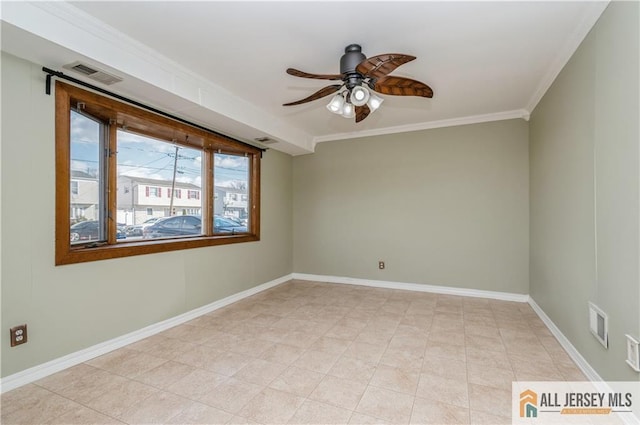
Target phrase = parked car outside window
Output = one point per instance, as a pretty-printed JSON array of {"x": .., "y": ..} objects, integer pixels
[{"x": 189, "y": 225}]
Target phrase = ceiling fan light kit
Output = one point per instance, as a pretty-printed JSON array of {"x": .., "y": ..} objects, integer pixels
[{"x": 360, "y": 77}]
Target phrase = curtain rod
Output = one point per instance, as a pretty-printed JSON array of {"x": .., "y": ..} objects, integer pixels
[{"x": 51, "y": 73}]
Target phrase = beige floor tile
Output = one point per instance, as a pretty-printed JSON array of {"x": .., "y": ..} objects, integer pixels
[
  {"x": 300, "y": 339},
  {"x": 330, "y": 345},
  {"x": 273, "y": 334},
  {"x": 388, "y": 405},
  {"x": 92, "y": 386},
  {"x": 486, "y": 343},
  {"x": 483, "y": 418},
  {"x": 570, "y": 372},
  {"x": 418, "y": 319},
  {"x": 314, "y": 412},
  {"x": 374, "y": 336},
  {"x": 252, "y": 347},
  {"x": 199, "y": 356},
  {"x": 317, "y": 361},
  {"x": 227, "y": 363},
  {"x": 353, "y": 369},
  {"x": 297, "y": 381},
  {"x": 340, "y": 331},
  {"x": 272, "y": 406},
  {"x": 339, "y": 392},
  {"x": 84, "y": 416},
  {"x": 264, "y": 319},
  {"x": 231, "y": 395},
  {"x": 446, "y": 337},
  {"x": 408, "y": 337},
  {"x": 22, "y": 397},
  {"x": 488, "y": 358},
  {"x": 433, "y": 412},
  {"x": 165, "y": 374},
  {"x": 449, "y": 351},
  {"x": 490, "y": 400},
  {"x": 450, "y": 391},
  {"x": 196, "y": 384},
  {"x": 282, "y": 353},
  {"x": 447, "y": 368},
  {"x": 119, "y": 399},
  {"x": 170, "y": 348},
  {"x": 490, "y": 377},
  {"x": 260, "y": 372},
  {"x": 403, "y": 380},
  {"x": 67, "y": 377},
  {"x": 352, "y": 322},
  {"x": 147, "y": 343},
  {"x": 39, "y": 406},
  {"x": 358, "y": 418},
  {"x": 402, "y": 356},
  {"x": 381, "y": 349},
  {"x": 199, "y": 413},
  {"x": 224, "y": 341},
  {"x": 471, "y": 328},
  {"x": 365, "y": 351},
  {"x": 159, "y": 408}
]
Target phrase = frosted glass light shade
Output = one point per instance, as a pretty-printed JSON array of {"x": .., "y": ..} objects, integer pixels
[
  {"x": 336, "y": 104},
  {"x": 374, "y": 102},
  {"x": 359, "y": 95},
  {"x": 348, "y": 111}
]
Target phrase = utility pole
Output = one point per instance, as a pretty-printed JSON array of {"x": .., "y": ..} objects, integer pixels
[{"x": 173, "y": 181}]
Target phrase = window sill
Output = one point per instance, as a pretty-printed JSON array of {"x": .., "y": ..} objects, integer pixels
[{"x": 81, "y": 254}]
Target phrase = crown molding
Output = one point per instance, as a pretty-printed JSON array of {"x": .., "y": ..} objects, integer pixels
[
  {"x": 60, "y": 24},
  {"x": 591, "y": 16},
  {"x": 473, "y": 119}
]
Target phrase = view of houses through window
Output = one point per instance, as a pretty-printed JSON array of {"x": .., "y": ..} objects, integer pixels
[{"x": 155, "y": 179}]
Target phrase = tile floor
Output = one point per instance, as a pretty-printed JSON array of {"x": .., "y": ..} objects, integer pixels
[{"x": 308, "y": 353}]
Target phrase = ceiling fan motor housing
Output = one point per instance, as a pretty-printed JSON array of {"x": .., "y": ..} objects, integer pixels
[{"x": 348, "y": 62}]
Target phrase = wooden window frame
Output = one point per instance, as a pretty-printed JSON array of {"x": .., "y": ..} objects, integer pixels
[{"x": 116, "y": 114}]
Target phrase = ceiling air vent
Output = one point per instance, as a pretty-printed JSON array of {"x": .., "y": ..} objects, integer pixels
[
  {"x": 265, "y": 140},
  {"x": 93, "y": 73}
]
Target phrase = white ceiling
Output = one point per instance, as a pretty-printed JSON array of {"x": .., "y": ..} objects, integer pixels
[{"x": 222, "y": 63}]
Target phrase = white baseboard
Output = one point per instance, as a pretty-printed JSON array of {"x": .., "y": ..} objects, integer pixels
[
  {"x": 575, "y": 355},
  {"x": 418, "y": 287},
  {"x": 580, "y": 361},
  {"x": 45, "y": 369}
]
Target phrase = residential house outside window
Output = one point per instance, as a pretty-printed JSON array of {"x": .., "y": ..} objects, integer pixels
[{"x": 120, "y": 166}]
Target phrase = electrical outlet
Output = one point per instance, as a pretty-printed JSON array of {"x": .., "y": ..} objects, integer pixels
[
  {"x": 18, "y": 335},
  {"x": 381, "y": 265}
]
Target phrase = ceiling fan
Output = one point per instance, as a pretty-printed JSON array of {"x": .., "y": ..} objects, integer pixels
[{"x": 360, "y": 77}]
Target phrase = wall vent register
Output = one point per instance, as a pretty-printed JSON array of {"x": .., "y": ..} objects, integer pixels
[{"x": 599, "y": 324}]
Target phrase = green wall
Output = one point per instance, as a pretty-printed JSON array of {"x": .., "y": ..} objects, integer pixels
[
  {"x": 584, "y": 164},
  {"x": 69, "y": 308},
  {"x": 446, "y": 206}
]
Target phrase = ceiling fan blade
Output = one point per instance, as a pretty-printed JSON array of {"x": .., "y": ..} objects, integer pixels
[
  {"x": 362, "y": 112},
  {"x": 381, "y": 65},
  {"x": 302, "y": 74},
  {"x": 317, "y": 95},
  {"x": 399, "y": 86}
]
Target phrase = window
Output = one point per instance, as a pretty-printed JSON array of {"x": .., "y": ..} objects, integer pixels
[
  {"x": 232, "y": 175},
  {"x": 152, "y": 192},
  {"x": 177, "y": 193},
  {"x": 116, "y": 163}
]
